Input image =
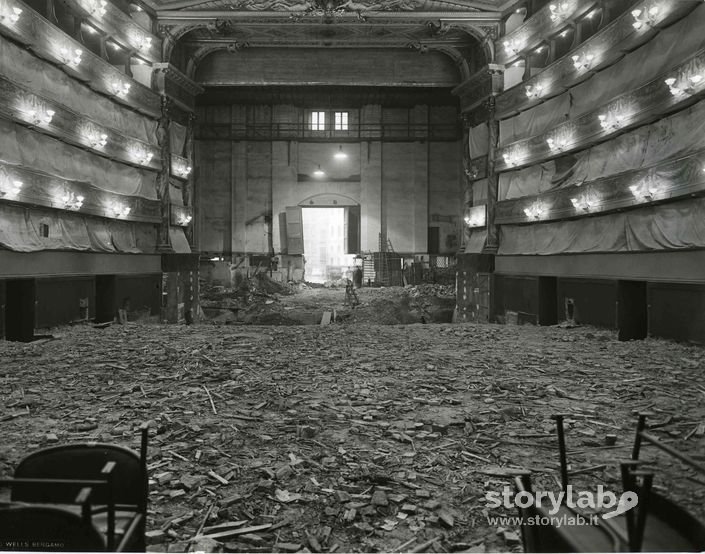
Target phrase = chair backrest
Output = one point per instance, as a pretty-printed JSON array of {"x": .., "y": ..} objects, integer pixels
[
  {"x": 41, "y": 528},
  {"x": 81, "y": 461},
  {"x": 670, "y": 528}
]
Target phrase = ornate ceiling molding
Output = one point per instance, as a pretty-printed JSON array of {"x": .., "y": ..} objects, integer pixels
[{"x": 330, "y": 6}]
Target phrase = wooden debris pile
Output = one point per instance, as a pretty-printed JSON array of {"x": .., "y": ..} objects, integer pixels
[{"x": 352, "y": 438}]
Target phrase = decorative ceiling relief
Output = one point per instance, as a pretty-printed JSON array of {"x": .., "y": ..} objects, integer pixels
[
  {"x": 330, "y": 6},
  {"x": 461, "y": 29}
]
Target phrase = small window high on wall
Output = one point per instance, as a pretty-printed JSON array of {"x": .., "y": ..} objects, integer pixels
[
  {"x": 317, "y": 121},
  {"x": 341, "y": 121}
]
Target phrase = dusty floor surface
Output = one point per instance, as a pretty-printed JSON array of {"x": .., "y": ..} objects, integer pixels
[
  {"x": 351, "y": 437},
  {"x": 264, "y": 302}
]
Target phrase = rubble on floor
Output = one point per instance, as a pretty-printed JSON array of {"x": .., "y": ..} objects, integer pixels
[
  {"x": 261, "y": 301},
  {"x": 352, "y": 438}
]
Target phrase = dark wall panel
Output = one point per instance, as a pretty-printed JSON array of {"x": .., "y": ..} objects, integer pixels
[
  {"x": 677, "y": 311},
  {"x": 516, "y": 294},
  {"x": 2, "y": 309},
  {"x": 59, "y": 300},
  {"x": 595, "y": 301},
  {"x": 144, "y": 292}
]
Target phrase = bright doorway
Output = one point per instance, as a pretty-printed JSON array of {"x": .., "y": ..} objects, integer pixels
[{"x": 326, "y": 244}]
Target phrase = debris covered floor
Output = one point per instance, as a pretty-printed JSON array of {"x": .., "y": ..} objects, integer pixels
[{"x": 351, "y": 437}]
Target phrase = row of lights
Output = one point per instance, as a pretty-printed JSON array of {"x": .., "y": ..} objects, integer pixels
[
  {"x": 72, "y": 57},
  {"x": 92, "y": 135},
  {"x": 10, "y": 188},
  {"x": 615, "y": 119},
  {"x": 646, "y": 190},
  {"x": 97, "y": 8},
  {"x": 560, "y": 11}
]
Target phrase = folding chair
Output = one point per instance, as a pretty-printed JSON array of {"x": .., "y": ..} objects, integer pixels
[
  {"x": 37, "y": 527},
  {"x": 655, "y": 524},
  {"x": 117, "y": 475}
]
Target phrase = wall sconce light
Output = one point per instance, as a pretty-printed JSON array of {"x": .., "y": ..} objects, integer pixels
[
  {"x": 476, "y": 216},
  {"x": 611, "y": 121},
  {"x": 560, "y": 140},
  {"x": 537, "y": 210},
  {"x": 686, "y": 86},
  {"x": 645, "y": 16},
  {"x": 140, "y": 155},
  {"x": 142, "y": 42},
  {"x": 119, "y": 88},
  {"x": 96, "y": 7},
  {"x": 340, "y": 155},
  {"x": 9, "y": 16},
  {"x": 100, "y": 141},
  {"x": 586, "y": 202},
  {"x": 9, "y": 187},
  {"x": 184, "y": 219},
  {"x": 181, "y": 169},
  {"x": 319, "y": 172},
  {"x": 647, "y": 190},
  {"x": 94, "y": 137},
  {"x": 512, "y": 47},
  {"x": 70, "y": 56},
  {"x": 534, "y": 91},
  {"x": 559, "y": 11},
  {"x": 72, "y": 201},
  {"x": 118, "y": 210},
  {"x": 472, "y": 172},
  {"x": 583, "y": 61},
  {"x": 513, "y": 156},
  {"x": 557, "y": 145},
  {"x": 40, "y": 116}
]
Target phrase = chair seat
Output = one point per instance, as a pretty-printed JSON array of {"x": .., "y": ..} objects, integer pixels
[{"x": 99, "y": 518}]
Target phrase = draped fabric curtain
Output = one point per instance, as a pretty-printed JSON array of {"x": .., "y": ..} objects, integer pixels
[
  {"x": 476, "y": 241},
  {"x": 672, "y": 137},
  {"x": 677, "y": 42},
  {"x": 667, "y": 227},
  {"x": 479, "y": 141},
  {"x": 178, "y": 240},
  {"x": 177, "y": 138},
  {"x": 23, "y": 230},
  {"x": 50, "y": 82},
  {"x": 26, "y": 148}
]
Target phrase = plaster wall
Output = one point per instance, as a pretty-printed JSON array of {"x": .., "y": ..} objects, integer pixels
[{"x": 246, "y": 185}]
